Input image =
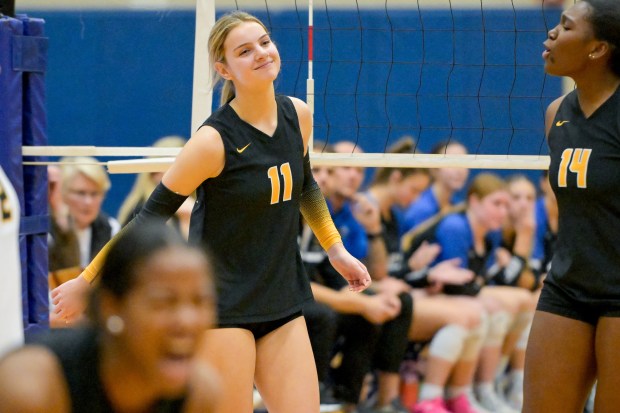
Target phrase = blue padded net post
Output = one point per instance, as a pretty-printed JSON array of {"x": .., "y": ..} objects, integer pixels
[
  {"x": 23, "y": 58},
  {"x": 32, "y": 61},
  {"x": 11, "y": 125}
]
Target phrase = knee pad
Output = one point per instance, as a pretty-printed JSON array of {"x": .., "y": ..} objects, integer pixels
[
  {"x": 447, "y": 343},
  {"x": 525, "y": 336},
  {"x": 522, "y": 322},
  {"x": 473, "y": 342},
  {"x": 499, "y": 323}
]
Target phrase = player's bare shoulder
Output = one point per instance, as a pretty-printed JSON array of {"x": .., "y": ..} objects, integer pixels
[
  {"x": 305, "y": 118},
  {"x": 31, "y": 379},
  {"x": 552, "y": 110},
  {"x": 202, "y": 157}
]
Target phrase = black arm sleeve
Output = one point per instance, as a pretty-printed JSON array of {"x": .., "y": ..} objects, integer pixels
[
  {"x": 161, "y": 205},
  {"x": 309, "y": 182}
]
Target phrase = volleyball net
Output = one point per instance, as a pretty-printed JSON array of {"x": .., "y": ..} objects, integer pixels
[{"x": 435, "y": 70}]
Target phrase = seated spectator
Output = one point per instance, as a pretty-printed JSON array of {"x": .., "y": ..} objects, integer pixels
[
  {"x": 441, "y": 195},
  {"x": 515, "y": 254},
  {"x": 546, "y": 228},
  {"x": 371, "y": 327},
  {"x": 453, "y": 327},
  {"x": 467, "y": 235},
  {"x": 79, "y": 226}
]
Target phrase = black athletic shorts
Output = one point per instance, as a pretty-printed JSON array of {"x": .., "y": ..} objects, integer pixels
[
  {"x": 555, "y": 301},
  {"x": 263, "y": 328}
]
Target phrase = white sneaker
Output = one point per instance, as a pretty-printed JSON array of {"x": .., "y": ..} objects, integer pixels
[
  {"x": 502, "y": 384},
  {"x": 474, "y": 402},
  {"x": 514, "y": 395},
  {"x": 490, "y": 401}
]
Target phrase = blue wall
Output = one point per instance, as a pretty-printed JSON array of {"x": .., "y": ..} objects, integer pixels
[{"x": 120, "y": 78}]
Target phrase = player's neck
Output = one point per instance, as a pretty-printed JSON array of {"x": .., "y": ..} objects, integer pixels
[
  {"x": 478, "y": 230},
  {"x": 595, "y": 90},
  {"x": 255, "y": 105},
  {"x": 442, "y": 194},
  {"x": 337, "y": 201}
]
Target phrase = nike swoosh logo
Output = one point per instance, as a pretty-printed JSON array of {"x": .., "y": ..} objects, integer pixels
[
  {"x": 244, "y": 148},
  {"x": 561, "y": 122}
]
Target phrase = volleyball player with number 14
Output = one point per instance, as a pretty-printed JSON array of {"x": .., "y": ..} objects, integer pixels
[{"x": 576, "y": 331}]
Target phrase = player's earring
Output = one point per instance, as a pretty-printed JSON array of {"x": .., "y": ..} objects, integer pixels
[
  {"x": 115, "y": 325},
  {"x": 591, "y": 56}
]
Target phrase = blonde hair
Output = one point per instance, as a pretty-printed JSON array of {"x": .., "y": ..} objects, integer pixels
[
  {"x": 484, "y": 184},
  {"x": 87, "y": 166},
  {"x": 217, "y": 37},
  {"x": 144, "y": 185}
]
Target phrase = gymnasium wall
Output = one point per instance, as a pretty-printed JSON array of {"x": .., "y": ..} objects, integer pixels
[{"x": 122, "y": 77}]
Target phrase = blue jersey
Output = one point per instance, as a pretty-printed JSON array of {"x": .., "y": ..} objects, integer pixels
[
  {"x": 352, "y": 232},
  {"x": 422, "y": 209},
  {"x": 454, "y": 235}
]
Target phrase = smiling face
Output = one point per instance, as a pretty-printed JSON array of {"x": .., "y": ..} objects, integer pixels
[
  {"x": 165, "y": 314},
  {"x": 249, "y": 56},
  {"x": 571, "y": 44}
]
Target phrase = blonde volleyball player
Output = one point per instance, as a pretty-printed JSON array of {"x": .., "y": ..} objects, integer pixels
[{"x": 250, "y": 167}]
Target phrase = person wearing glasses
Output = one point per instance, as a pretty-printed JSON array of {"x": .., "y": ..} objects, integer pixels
[{"x": 80, "y": 228}]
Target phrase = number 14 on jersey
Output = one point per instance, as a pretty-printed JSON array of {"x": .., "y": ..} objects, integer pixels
[{"x": 574, "y": 160}]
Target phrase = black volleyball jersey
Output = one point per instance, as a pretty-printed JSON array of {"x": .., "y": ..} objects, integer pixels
[
  {"x": 79, "y": 354},
  {"x": 585, "y": 176},
  {"x": 248, "y": 217}
]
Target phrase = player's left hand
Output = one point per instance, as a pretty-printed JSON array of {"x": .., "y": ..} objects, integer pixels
[{"x": 349, "y": 267}]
